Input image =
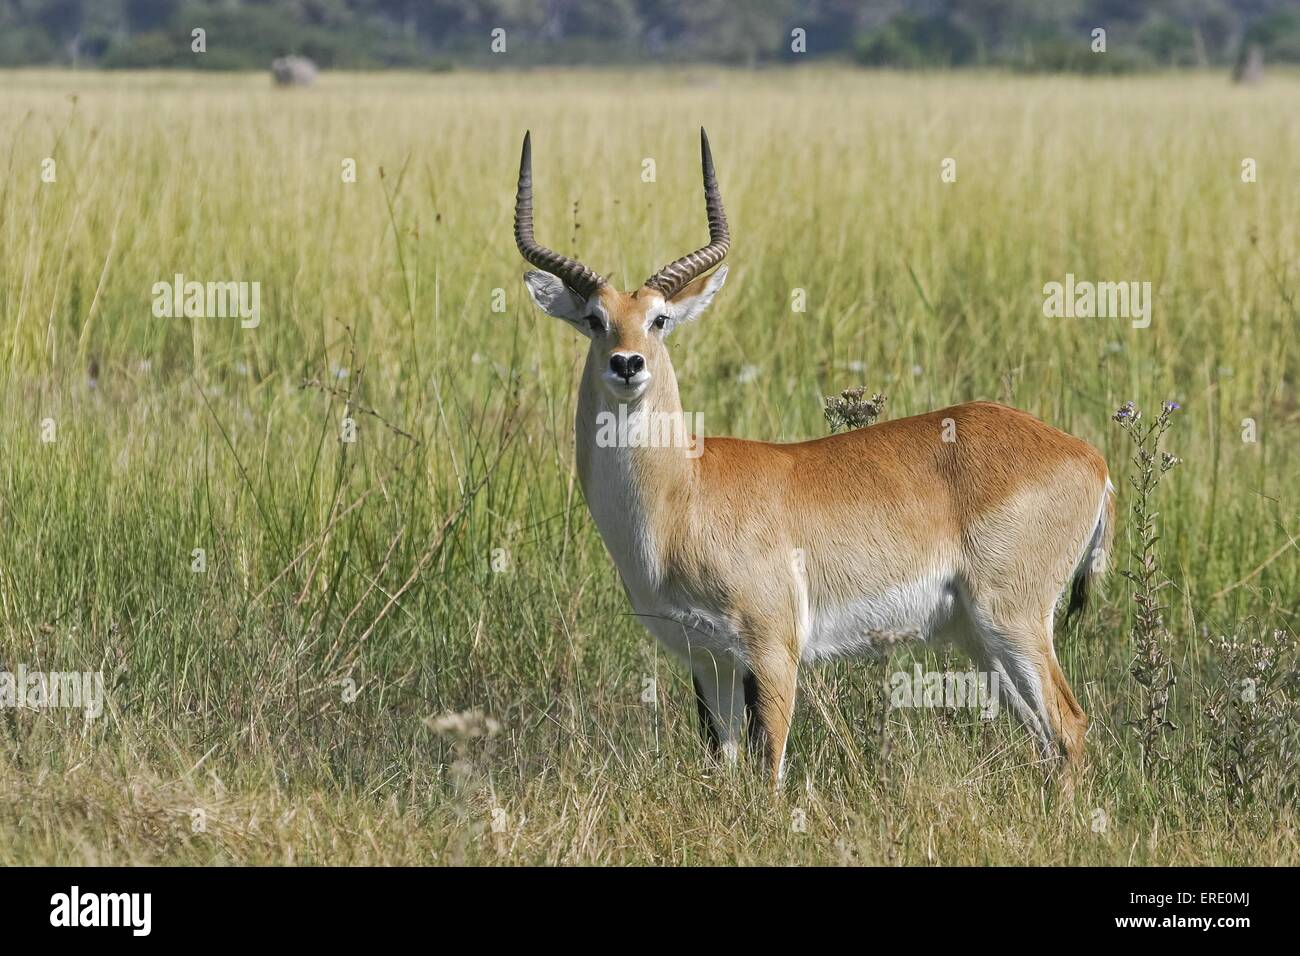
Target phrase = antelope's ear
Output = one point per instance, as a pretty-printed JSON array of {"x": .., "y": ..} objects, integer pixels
[
  {"x": 695, "y": 298},
  {"x": 556, "y": 299}
]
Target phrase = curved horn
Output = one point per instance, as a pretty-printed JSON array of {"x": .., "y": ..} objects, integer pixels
[
  {"x": 575, "y": 275},
  {"x": 673, "y": 277}
]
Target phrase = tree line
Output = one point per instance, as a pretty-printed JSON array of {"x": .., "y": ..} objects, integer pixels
[{"x": 1055, "y": 35}]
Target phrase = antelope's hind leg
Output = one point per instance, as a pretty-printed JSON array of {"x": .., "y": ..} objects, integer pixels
[{"x": 1031, "y": 681}]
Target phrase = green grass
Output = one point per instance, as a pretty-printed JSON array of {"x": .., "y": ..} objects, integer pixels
[{"x": 225, "y": 689}]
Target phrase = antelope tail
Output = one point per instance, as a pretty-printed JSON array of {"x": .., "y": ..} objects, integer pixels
[{"x": 1096, "y": 556}]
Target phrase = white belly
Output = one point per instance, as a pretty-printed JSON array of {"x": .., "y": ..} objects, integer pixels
[
  {"x": 916, "y": 610},
  {"x": 926, "y": 609}
]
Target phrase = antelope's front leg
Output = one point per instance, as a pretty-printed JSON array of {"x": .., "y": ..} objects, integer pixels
[
  {"x": 720, "y": 702},
  {"x": 774, "y": 676}
]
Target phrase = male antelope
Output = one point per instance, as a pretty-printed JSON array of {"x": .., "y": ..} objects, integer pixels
[{"x": 750, "y": 558}]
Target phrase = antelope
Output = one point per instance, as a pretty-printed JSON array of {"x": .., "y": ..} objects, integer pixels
[{"x": 748, "y": 559}]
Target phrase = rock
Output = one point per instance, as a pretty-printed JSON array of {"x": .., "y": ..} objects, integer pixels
[{"x": 293, "y": 71}]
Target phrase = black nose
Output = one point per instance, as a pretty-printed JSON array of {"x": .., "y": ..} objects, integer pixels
[{"x": 626, "y": 365}]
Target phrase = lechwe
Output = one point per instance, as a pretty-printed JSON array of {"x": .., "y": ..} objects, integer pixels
[{"x": 748, "y": 558}]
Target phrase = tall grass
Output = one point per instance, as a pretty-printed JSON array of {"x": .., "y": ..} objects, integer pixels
[{"x": 284, "y": 704}]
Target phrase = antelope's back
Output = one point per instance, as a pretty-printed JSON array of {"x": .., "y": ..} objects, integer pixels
[{"x": 908, "y": 498}]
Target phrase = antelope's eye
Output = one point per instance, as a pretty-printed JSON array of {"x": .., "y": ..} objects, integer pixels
[
  {"x": 660, "y": 321},
  {"x": 595, "y": 323}
]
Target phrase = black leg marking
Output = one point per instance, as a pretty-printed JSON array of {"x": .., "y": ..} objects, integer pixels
[
  {"x": 753, "y": 719},
  {"x": 708, "y": 730}
]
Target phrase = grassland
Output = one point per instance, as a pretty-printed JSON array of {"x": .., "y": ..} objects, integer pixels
[{"x": 231, "y": 732}]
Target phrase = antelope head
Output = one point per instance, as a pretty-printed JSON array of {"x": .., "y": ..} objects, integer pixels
[{"x": 626, "y": 329}]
